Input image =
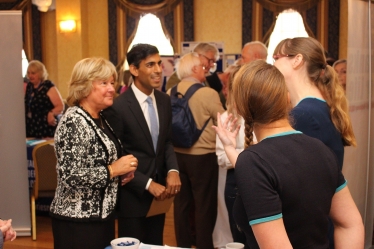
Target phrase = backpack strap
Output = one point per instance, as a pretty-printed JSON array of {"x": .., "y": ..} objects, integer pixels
[{"x": 192, "y": 89}]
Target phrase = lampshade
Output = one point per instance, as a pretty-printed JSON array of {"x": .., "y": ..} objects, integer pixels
[{"x": 43, "y": 5}]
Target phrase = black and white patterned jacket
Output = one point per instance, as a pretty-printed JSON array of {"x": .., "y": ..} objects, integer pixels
[{"x": 84, "y": 188}]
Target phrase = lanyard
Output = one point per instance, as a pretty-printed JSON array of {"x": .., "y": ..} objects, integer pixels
[{"x": 31, "y": 94}]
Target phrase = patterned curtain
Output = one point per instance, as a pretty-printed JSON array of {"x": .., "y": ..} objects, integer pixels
[
  {"x": 268, "y": 24},
  {"x": 246, "y": 21},
  {"x": 333, "y": 24},
  {"x": 112, "y": 29},
  {"x": 188, "y": 21},
  {"x": 36, "y": 34}
]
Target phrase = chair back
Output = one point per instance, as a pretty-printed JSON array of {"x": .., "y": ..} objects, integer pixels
[{"x": 45, "y": 161}]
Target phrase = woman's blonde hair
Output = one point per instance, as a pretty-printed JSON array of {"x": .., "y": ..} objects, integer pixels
[
  {"x": 326, "y": 80},
  {"x": 40, "y": 68},
  {"x": 84, "y": 73},
  {"x": 261, "y": 96},
  {"x": 339, "y": 62}
]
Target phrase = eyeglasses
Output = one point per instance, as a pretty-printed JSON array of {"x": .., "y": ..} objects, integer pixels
[
  {"x": 210, "y": 61},
  {"x": 278, "y": 56}
]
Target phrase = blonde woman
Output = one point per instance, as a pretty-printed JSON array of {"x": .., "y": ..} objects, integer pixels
[
  {"x": 43, "y": 102},
  {"x": 340, "y": 67},
  {"x": 89, "y": 161}
]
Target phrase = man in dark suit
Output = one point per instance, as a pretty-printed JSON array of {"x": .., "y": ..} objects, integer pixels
[{"x": 141, "y": 118}]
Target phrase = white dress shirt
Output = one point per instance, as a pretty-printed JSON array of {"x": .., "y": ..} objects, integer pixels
[{"x": 142, "y": 99}]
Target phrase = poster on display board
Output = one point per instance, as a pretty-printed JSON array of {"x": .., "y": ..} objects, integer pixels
[
  {"x": 230, "y": 59},
  {"x": 188, "y": 46}
]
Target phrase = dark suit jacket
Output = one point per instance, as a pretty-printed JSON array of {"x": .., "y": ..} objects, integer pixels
[{"x": 129, "y": 124}]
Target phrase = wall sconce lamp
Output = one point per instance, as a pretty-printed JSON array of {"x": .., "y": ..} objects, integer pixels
[{"x": 68, "y": 26}]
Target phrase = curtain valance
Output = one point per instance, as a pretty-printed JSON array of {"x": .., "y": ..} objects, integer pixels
[
  {"x": 280, "y": 5},
  {"x": 136, "y": 8}
]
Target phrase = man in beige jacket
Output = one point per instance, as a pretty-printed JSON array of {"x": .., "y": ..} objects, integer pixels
[{"x": 198, "y": 167}]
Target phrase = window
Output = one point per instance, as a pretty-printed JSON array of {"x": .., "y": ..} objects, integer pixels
[
  {"x": 289, "y": 24},
  {"x": 25, "y": 63},
  {"x": 150, "y": 31}
]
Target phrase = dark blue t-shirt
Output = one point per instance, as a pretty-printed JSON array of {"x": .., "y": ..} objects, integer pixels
[
  {"x": 289, "y": 176},
  {"x": 312, "y": 117}
]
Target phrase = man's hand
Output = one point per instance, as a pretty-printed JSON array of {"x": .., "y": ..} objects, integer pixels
[
  {"x": 173, "y": 184},
  {"x": 157, "y": 190}
]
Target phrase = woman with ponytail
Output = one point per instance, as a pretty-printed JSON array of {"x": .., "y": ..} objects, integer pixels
[
  {"x": 320, "y": 108},
  {"x": 288, "y": 182}
]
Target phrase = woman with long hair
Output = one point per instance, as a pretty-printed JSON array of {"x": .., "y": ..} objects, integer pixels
[{"x": 320, "y": 108}]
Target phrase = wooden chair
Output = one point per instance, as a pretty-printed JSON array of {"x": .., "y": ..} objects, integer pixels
[{"x": 45, "y": 184}]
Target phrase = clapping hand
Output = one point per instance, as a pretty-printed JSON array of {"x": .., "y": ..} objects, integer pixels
[{"x": 227, "y": 130}]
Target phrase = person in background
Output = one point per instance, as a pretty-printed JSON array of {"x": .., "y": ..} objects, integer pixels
[
  {"x": 254, "y": 50},
  {"x": 124, "y": 77},
  {"x": 43, "y": 102},
  {"x": 6, "y": 232},
  {"x": 89, "y": 161},
  {"x": 286, "y": 192},
  {"x": 226, "y": 170},
  {"x": 226, "y": 77},
  {"x": 340, "y": 67},
  {"x": 128, "y": 80},
  {"x": 319, "y": 105},
  {"x": 251, "y": 51},
  {"x": 225, "y": 229},
  {"x": 208, "y": 55},
  {"x": 141, "y": 117},
  {"x": 198, "y": 164}
]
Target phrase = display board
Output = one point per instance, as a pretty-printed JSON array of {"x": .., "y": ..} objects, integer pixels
[{"x": 14, "y": 193}]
